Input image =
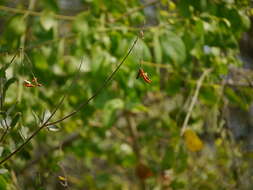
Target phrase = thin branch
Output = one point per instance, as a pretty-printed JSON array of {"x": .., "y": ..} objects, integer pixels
[
  {"x": 5, "y": 131},
  {"x": 43, "y": 125},
  {"x": 194, "y": 99},
  {"x": 12, "y": 60},
  {"x": 2, "y": 98},
  {"x": 127, "y": 14},
  {"x": 34, "y": 133},
  {"x": 72, "y": 113},
  {"x": 71, "y": 18},
  {"x": 106, "y": 82},
  {"x": 71, "y": 36},
  {"x": 34, "y": 13}
]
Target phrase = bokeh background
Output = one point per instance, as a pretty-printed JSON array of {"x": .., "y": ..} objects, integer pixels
[{"x": 198, "y": 55}]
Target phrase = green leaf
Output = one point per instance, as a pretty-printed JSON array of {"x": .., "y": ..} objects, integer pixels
[
  {"x": 173, "y": 48},
  {"x": 110, "y": 108},
  {"x": 53, "y": 128},
  {"x": 2, "y": 71},
  {"x": 81, "y": 24},
  {"x": 208, "y": 95},
  {"x": 3, "y": 183},
  {"x": 11, "y": 109},
  {"x": 177, "y": 185},
  {"x": 24, "y": 132},
  {"x": 47, "y": 20},
  {"x": 184, "y": 8},
  {"x": 168, "y": 158},
  {"x": 114, "y": 104},
  {"x": 174, "y": 84},
  {"x": 142, "y": 51},
  {"x": 51, "y": 4},
  {"x": 235, "y": 99},
  {"x": 157, "y": 48},
  {"x": 17, "y": 25},
  {"x": 15, "y": 120},
  {"x": 181, "y": 161},
  {"x": 1, "y": 150},
  {"x": 139, "y": 108},
  {"x": 40, "y": 61},
  {"x": 245, "y": 21},
  {"x": 7, "y": 85}
]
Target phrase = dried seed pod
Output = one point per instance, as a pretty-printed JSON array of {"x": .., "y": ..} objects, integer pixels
[
  {"x": 143, "y": 75},
  {"x": 27, "y": 83}
]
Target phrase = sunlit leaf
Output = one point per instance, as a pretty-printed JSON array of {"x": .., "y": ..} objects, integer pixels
[
  {"x": 46, "y": 116},
  {"x": 17, "y": 25},
  {"x": 47, "y": 20},
  {"x": 24, "y": 132},
  {"x": 53, "y": 128},
  {"x": 62, "y": 178},
  {"x": 1, "y": 150},
  {"x": 3, "y": 170},
  {"x": 192, "y": 141},
  {"x": 4, "y": 123},
  {"x": 173, "y": 47},
  {"x": 139, "y": 108}
]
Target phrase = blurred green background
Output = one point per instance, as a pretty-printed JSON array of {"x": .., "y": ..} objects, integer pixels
[{"x": 130, "y": 135}]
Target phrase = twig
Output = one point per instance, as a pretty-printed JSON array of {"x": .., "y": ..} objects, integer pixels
[
  {"x": 71, "y": 18},
  {"x": 34, "y": 13},
  {"x": 72, "y": 113},
  {"x": 65, "y": 182},
  {"x": 12, "y": 60},
  {"x": 43, "y": 125},
  {"x": 2, "y": 97},
  {"x": 106, "y": 82},
  {"x": 34, "y": 134},
  {"x": 5, "y": 131},
  {"x": 135, "y": 10},
  {"x": 194, "y": 99},
  {"x": 34, "y": 46},
  {"x": 71, "y": 37}
]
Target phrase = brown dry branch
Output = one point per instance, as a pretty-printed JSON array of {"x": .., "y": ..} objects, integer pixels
[{"x": 194, "y": 99}]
